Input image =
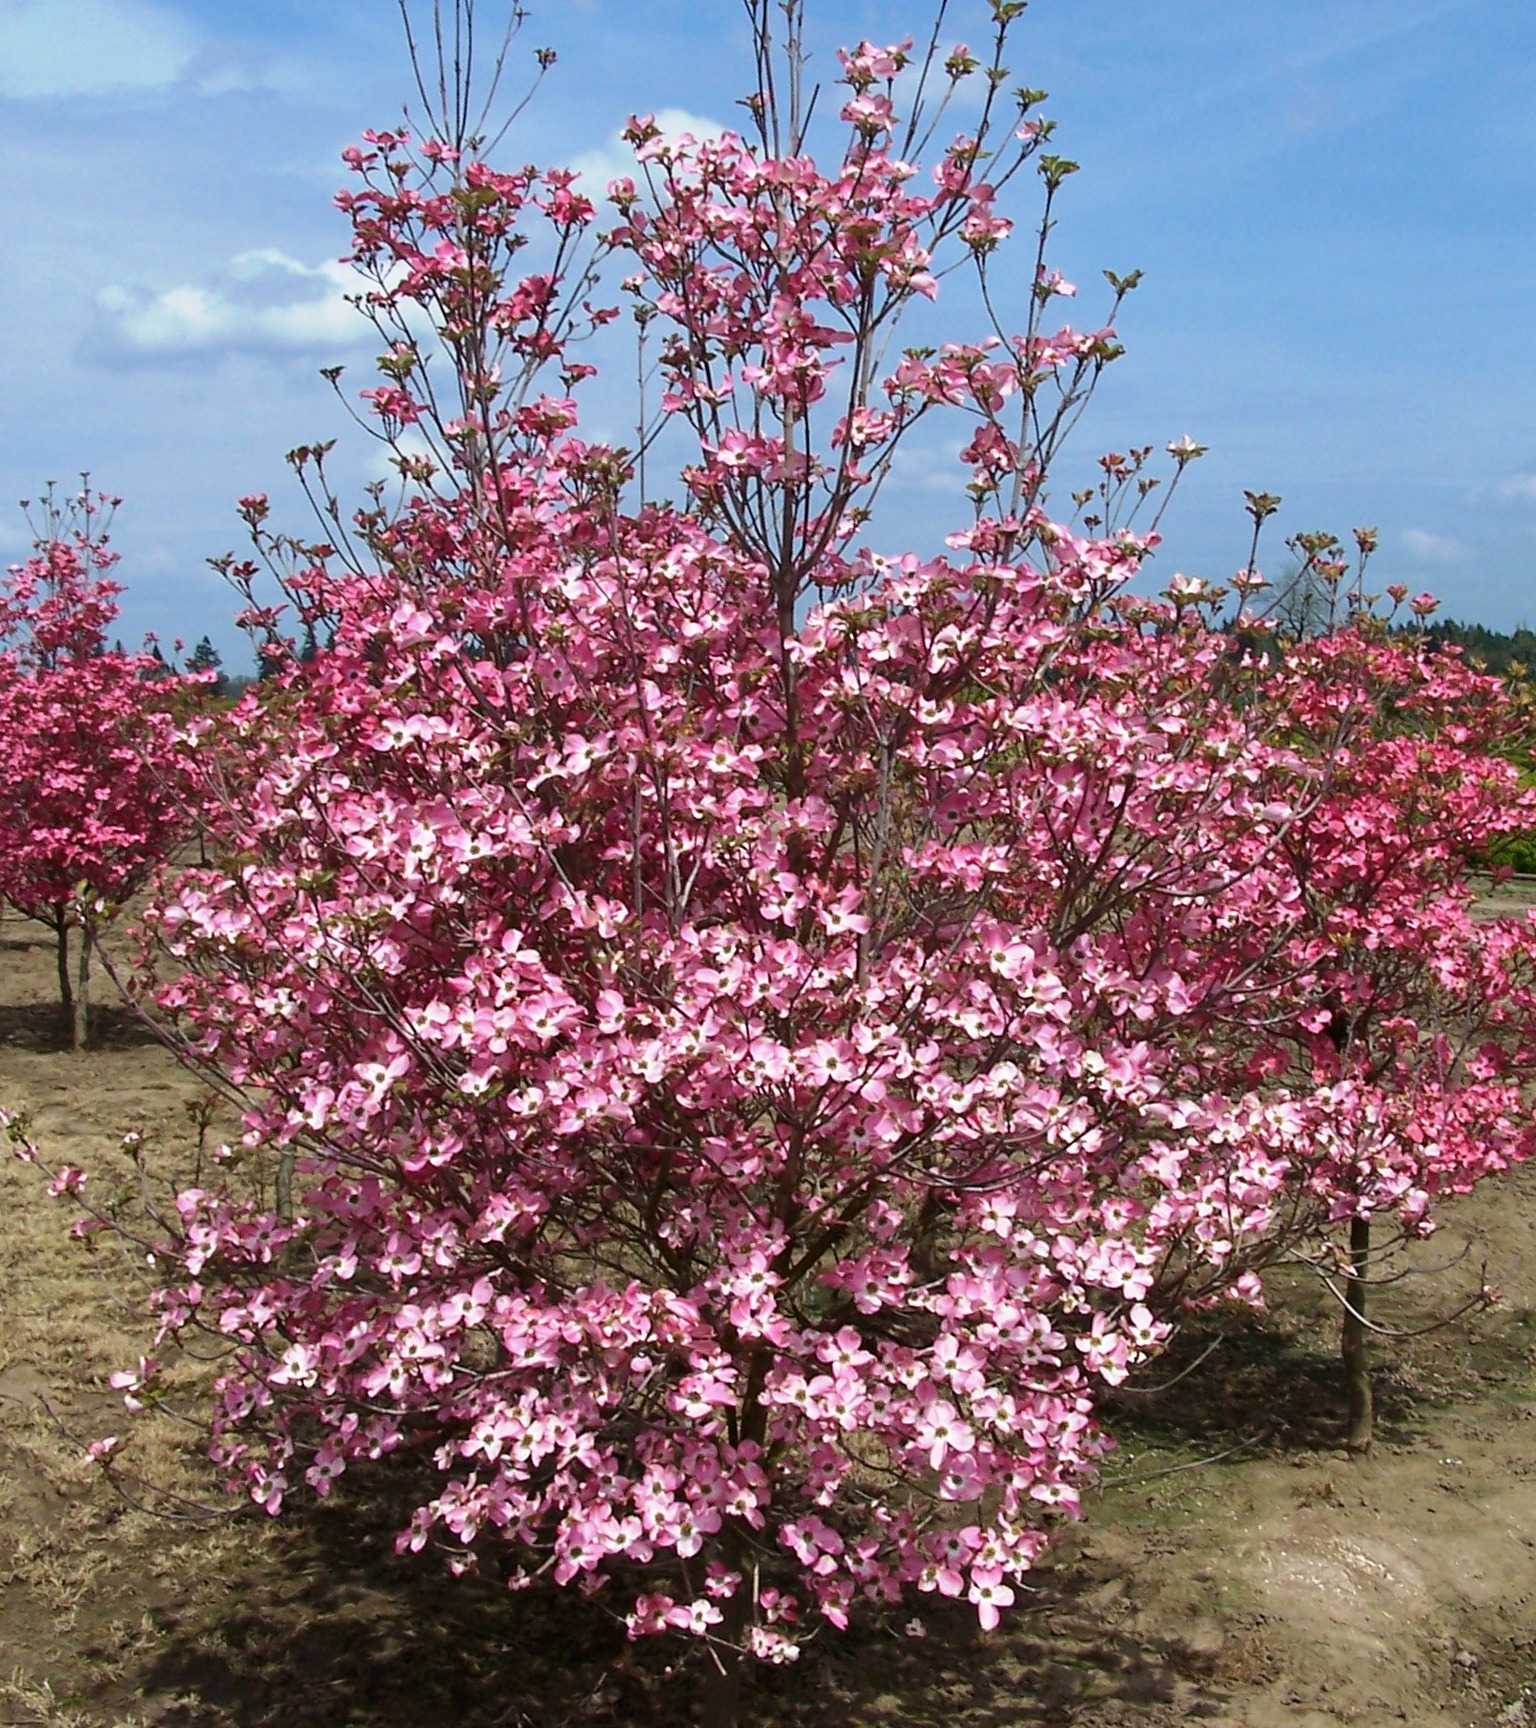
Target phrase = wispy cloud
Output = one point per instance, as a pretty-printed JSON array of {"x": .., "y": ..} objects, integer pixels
[
  {"x": 1431, "y": 548},
  {"x": 614, "y": 159},
  {"x": 230, "y": 68},
  {"x": 15, "y": 537},
  {"x": 262, "y": 302},
  {"x": 87, "y": 47},
  {"x": 381, "y": 464},
  {"x": 1518, "y": 487},
  {"x": 931, "y": 466}
]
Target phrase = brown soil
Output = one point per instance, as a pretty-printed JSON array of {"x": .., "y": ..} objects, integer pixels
[{"x": 1235, "y": 1569}]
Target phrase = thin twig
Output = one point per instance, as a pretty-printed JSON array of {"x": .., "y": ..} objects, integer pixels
[
  {"x": 1191, "y": 1464},
  {"x": 1183, "y": 1373}
]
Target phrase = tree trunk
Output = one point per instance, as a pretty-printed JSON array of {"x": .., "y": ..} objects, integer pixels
[
  {"x": 66, "y": 984},
  {"x": 720, "y": 1689},
  {"x": 1356, "y": 1341},
  {"x": 80, "y": 1018}
]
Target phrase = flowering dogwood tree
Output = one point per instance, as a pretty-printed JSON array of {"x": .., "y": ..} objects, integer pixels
[
  {"x": 751, "y": 1031},
  {"x": 1416, "y": 1023},
  {"x": 88, "y": 807}
]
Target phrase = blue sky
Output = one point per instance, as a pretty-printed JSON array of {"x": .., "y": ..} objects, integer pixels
[{"x": 1334, "y": 203}]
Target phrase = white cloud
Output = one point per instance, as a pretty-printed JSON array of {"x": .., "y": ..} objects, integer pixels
[
  {"x": 224, "y": 69},
  {"x": 381, "y": 464},
  {"x": 966, "y": 98},
  {"x": 1434, "y": 548},
  {"x": 1518, "y": 486},
  {"x": 262, "y": 302},
  {"x": 932, "y": 466},
  {"x": 84, "y": 47},
  {"x": 614, "y": 159}
]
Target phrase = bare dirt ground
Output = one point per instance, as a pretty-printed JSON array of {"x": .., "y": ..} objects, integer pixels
[{"x": 1236, "y": 1569}]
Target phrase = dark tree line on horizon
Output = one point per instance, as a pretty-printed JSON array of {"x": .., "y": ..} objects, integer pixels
[{"x": 1508, "y": 653}]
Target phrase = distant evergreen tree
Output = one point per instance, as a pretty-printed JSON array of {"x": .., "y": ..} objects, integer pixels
[{"x": 206, "y": 658}]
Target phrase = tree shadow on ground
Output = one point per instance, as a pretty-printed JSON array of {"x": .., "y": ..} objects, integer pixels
[
  {"x": 338, "y": 1632},
  {"x": 1255, "y": 1385},
  {"x": 43, "y": 1028},
  {"x": 333, "y": 1629},
  {"x": 1060, "y": 1660}
]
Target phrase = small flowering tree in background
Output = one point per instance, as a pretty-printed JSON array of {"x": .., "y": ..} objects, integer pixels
[
  {"x": 1416, "y": 1022},
  {"x": 751, "y": 1032},
  {"x": 88, "y": 808}
]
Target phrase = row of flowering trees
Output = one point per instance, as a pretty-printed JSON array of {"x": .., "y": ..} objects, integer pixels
[{"x": 753, "y": 1033}]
